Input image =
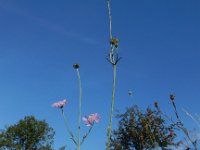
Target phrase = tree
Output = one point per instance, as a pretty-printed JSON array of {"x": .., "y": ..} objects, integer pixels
[
  {"x": 138, "y": 130},
  {"x": 27, "y": 134}
]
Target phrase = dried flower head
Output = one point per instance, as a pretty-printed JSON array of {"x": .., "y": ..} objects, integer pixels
[
  {"x": 130, "y": 93},
  {"x": 114, "y": 41},
  {"x": 89, "y": 120},
  {"x": 76, "y": 66},
  {"x": 171, "y": 133},
  {"x": 156, "y": 104},
  {"x": 172, "y": 97},
  {"x": 60, "y": 104}
]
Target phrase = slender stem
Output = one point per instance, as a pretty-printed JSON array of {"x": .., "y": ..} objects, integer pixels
[
  {"x": 110, "y": 18},
  {"x": 192, "y": 117},
  {"x": 181, "y": 126},
  {"x": 110, "y": 30},
  {"x": 67, "y": 127},
  {"x": 112, "y": 107},
  {"x": 80, "y": 108},
  {"x": 176, "y": 113},
  {"x": 85, "y": 136},
  {"x": 114, "y": 63}
]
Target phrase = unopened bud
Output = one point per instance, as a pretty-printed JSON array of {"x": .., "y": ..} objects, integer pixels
[
  {"x": 156, "y": 104},
  {"x": 76, "y": 66},
  {"x": 172, "y": 97}
]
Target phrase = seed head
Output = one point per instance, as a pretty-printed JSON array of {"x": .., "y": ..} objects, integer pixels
[
  {"x": 171, "y": 133},
  {"x": 156, "y": 104},
  {"x": 172, "y": 97},
  {"x": 114, "y": 41},
  {"x": 76, "y": 66}
]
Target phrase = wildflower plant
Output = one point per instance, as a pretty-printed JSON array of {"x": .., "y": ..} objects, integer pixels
[
  {"x": 88, "y": 120},
  {"x": 179, "y": 126},
  {"x": 113, "y": 58}
]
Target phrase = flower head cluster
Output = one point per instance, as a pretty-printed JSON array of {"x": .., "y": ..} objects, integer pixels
[
  {"x": 89, "y": 120},
  {"x": 60, "y": 104}
]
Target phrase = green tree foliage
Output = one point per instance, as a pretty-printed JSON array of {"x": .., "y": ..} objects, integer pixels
[
  {"x": 28, "y": 134},
  {"x": 139, "y": 130}
]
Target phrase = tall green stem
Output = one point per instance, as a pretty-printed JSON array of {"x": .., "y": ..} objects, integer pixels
[
  {"x": 112, "y": 107},
  {"x": 67, "y": 127},
  {"x": 85, "y": 136},
  {"x": 113, "y": 60},
  {"x": 110, "y": 18},
  {"x": 80, "y": 108}
]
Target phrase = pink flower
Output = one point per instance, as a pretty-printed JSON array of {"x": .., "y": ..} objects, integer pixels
[
  {"x": 89, "y": 120},
  {"x": 60, "y": 104}
]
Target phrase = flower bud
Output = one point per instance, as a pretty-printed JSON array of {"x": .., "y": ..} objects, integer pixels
[
  {"x": 172, "y": 97},
  {"x": 114, "y": 41},
  {"x": 156, "y": 104},
  {"x": 76, "y": 66}
]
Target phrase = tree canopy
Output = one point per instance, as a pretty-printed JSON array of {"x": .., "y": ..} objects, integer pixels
[
  {"x": 139, "y": 130},
  {"x": 28, "y": 133}
]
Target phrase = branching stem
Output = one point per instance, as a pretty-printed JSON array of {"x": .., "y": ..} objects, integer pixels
[{"x": 113, "y": 59}]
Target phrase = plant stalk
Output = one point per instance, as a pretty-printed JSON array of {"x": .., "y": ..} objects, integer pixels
[
  {"x": 67, "y": 127},
  {"x": 85, "y": 136},
  {"x": 112, "y": 108},
  {"x": 80, "y": 110},
  {"x": 113, "y": 61}
]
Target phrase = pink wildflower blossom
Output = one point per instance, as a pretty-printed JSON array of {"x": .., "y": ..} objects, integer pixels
[
  {"x": 89, "y": 120},
  {"x": 60, "y": 104}
]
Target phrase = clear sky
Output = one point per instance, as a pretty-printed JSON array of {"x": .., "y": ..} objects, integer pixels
[{"x": 41, "y": 40}]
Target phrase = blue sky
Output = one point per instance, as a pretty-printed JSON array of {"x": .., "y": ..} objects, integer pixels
[{"x": 41, "y": 40}]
